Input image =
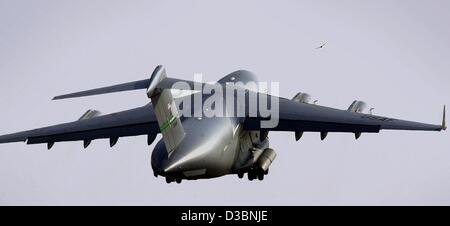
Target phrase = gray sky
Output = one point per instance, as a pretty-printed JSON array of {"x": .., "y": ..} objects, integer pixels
[{"x": 392, "y": 54}]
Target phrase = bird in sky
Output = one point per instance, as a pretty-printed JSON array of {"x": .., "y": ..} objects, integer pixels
[{"x": 321, "y": 46}]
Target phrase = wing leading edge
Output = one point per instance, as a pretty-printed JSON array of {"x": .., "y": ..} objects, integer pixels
[
  {"x": 302, "y": 117},
  {"x": 138, "y": 121}
]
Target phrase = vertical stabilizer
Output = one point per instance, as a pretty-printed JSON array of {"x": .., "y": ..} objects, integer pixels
[{"x": 166, "y": 111}]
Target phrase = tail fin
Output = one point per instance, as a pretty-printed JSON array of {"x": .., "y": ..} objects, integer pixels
[{"x": 166, "y": 111}]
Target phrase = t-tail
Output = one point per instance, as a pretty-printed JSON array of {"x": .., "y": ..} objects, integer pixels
[{"x": 158, "y": 90}]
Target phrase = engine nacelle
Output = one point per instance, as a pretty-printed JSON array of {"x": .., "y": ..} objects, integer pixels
[
  {"x": 302, "y": 98},
  {"x": 266, "y": 159},
  {"x": 357, "y": 106}
]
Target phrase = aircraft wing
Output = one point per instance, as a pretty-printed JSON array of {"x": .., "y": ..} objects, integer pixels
[
  {"x": 138, "y": 121},
  {"x": 303, "y": 117}
]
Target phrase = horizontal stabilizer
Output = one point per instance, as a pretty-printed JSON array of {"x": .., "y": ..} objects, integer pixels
[
  {"x": 142, "y": 84},
  {"x": 166, "y": 83}
]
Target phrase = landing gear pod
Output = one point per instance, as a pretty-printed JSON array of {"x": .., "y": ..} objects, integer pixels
[{"x": 266, "y": 159}]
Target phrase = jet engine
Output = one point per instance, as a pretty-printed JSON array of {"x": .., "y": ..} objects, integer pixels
[
  {"x": 266, "y": 159},
  {"x": 357, "y": 106}
]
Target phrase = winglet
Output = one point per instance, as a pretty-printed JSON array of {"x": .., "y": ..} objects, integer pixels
[{"x": 443, "y": 126}]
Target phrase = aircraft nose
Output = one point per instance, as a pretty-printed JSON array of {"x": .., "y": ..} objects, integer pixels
[
  {"x": 184, "y": 164},
  {"x": 177, "y": 165},
  {"x": 172, "y": 167}
]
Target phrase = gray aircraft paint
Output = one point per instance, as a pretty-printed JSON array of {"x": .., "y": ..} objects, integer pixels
[
  {"x": 399, "y": 47},
  {"x": 212, "y": 147}
]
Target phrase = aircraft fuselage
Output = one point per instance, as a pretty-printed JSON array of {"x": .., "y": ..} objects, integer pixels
[{"x": 212, "y": 146}]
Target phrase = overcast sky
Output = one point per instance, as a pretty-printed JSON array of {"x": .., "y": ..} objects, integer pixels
[{"x": 392, "y": 54}]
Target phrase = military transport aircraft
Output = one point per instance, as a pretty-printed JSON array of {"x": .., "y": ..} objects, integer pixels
[{"x": 201, "y": 147}]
